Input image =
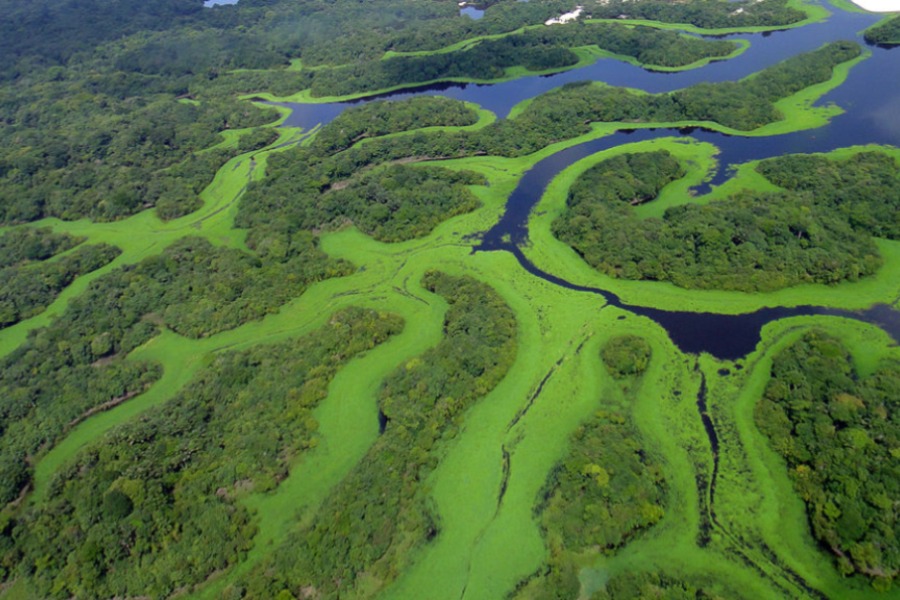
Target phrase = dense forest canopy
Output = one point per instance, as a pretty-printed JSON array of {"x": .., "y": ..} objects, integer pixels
[
  {"x": 819, "y": 231},
  {"x": 356, "y": 539},
  {"x": 540, "y": 49},
  {"x": 107, "y": 158},
  {"x": 608, "y": 488},
  {"x": 105, "y": 138},
  {"x": 863, "y": 188},
  {"x": 78, "y": 363},
  {"x": 708, "y": 14},
  {"x": 606, "y": 491},
  {"x": 27, "y": 290},
  {"x": 886, "y": 33},
  {"x": 568, "y": 111},
  {"x": 25, "y": 245},
  {"x": 663, "y": 587},
  {"x": 392, "y": 203},
  {"x": 839, "y": 434},
  {"x": 142, "y": 501}
]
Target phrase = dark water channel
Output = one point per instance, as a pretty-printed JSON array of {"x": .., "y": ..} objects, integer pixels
[
  {"x": 870, "y": 98},
  {"x": 765, "y": 50}
]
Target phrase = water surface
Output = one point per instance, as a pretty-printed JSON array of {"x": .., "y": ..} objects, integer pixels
[{"x": 870, "y": 98}]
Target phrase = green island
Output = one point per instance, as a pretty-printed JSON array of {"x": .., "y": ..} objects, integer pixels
[
  {"x": 244, "y": 358},
  {"x": 747, "y": 242},
  {"x": 887, "y": 32}
]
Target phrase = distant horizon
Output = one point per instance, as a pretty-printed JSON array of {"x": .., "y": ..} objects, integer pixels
[{"x": 877, "y": 6}]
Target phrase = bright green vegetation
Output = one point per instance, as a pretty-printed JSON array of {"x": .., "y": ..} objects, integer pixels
[
  {"x": 743, "y": 105},
  {"x": 698, "y": 159},
  {"x": 360, "y": 39},
  {"x": 707, "y": 14},
  {"x": 76, "y": 366},
  {"x": 400, "y": 202},
  {"x": 753, "y": 241},
  {"x": 601, "y": 495},
  {"x": 626, "y": 356},
  {"x": 56, "y": 379},
  {"x": 365, "y": 539},
  {"x": 179, "y": 39},
  {"x": 30, "y": 280},
  {"x": 543, "y": 49},
  {"x": 662, "y": 587},
  {"x": 569, "y": 111},
  {"x": 840, "y": 436},
  {"x": 394, "y": 203},
  {"x": 154, "y": 506},
  {"x": 196, "y": 290},
  {"x": 231, "y": 410},
  {"x": 26, "y": 290},
  {"x": 886, "y": 33}
]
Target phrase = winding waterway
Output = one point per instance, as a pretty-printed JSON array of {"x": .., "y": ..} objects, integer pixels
[{"x": 870, "y": 98}]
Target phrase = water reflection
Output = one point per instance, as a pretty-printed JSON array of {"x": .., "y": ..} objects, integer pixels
[{"x": 471, "y": 12}]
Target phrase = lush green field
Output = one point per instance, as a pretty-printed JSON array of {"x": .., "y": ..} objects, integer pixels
[{"x": 729, "y": 521}]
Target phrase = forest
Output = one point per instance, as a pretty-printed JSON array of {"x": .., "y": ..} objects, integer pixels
[
  {"x": 116, "y": 144},
  {"x": 30, "y": 281},
  {"x": 864, "y": 188},
  {"x": 568, "y": 112},
  {"x": 145, "y": 152},
  {"x": 839, "y": 434},
  {"x": 886, "y": 33},
  {"x": 606, "y": 491},
  {"x": 371, "y": 536},
  {"x": 78, "y": 364},
  {"x": 311, "y": 174},
  {"x": 535, "y": 49},
  {"x": 819, "y": 231},
  {"x": 245, "y": 359},
  {"x": 707, "y": 14},
  {"x": 155, "y": 506},
  {"x": 662, "y": 587},
  {"x": 106, "y": 158},
  {"x": 26, "y": 290}
]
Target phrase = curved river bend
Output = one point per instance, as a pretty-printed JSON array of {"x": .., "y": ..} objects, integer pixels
[{"x": 869, "y": 118}]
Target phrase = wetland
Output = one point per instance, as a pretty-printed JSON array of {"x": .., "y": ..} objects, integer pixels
[{"x": 371, "y": 348}]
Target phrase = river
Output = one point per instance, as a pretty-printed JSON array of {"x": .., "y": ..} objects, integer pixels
[{"x": 870, "y": 98}]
